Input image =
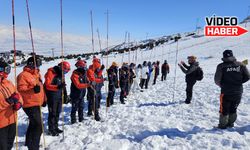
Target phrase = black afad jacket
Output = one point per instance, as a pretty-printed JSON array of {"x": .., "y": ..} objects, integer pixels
[{"x": 230, "y": 75}]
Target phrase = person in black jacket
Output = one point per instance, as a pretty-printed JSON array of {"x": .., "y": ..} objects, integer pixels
[
  {"x": 123, "y": 77},
  {"x": 229, "y": 76},
  {"x": 190, "y": 72},
  {"x": 113, "y": 83},
  {"x": 157, "y": 71},
  {"x": 164, "y": 70},
  {"x": 78, "y": 90}
]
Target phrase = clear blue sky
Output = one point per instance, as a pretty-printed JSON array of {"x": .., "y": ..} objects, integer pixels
[{"x": 139, "y": 17}]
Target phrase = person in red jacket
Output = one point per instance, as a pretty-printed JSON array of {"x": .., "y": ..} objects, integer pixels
[
  {"x": 10, "y": 103},
  {"x": 78, "y": 90},
  {"x": 94, "y": 75},
  {"x": 30, "y": 86},
  {"x": 55, "y": 86}
]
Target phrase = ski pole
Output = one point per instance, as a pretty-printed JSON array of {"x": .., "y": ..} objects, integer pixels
[
  {"x": 94, "y": 92},
  {"x": 107, "y": 55},
  {"x": 92, "y": 33},
  {"x": 175, "y": 69},
  {"x": 94, "y": 105},
  {"x": 107, "y": 37},
  {"x": 15, "y": 76},
  {"x": 34, "y": 57},
  {"x": 99, "y": 39},
  {"x": 124, "y": 46},
  {"x": 62, "y": 54}
]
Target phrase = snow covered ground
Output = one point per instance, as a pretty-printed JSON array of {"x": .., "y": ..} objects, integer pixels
[{"x": 153, "y": 119}]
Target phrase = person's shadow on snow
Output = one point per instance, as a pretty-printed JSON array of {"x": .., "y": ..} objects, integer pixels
[
  {"x": 157, "y": 104},
  {"x": 171, "y": 133},
  {"x": 240, "y": 130}
]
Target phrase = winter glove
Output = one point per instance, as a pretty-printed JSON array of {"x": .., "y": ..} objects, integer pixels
[
  {"x": 37, "y": 89},
  {"x": 17, "y": 106},
  {"x": 102, "y": 67},
  {"x": 13, "y": 99},
  {"x": 62, "y": 85},
  {"x": 44, "y": 104}
]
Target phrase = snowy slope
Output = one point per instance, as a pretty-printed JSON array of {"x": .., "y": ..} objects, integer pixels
[{"x": 153, "y": 119}]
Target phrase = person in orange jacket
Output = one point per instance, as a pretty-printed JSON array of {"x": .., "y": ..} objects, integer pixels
[
  {"x": 30, "y": 86},
  {"x": 10, "y": 103},
  {"x": 94, "y": 75},
  {"x": 78, "y": 90},
  {"x": 54, "y": 86}
]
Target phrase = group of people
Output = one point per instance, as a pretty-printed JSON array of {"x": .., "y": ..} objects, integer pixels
[
  {"x": 130, "y": 77},
  {"x": 31, "y": 93},
  {"x": 229, "y": 76}
]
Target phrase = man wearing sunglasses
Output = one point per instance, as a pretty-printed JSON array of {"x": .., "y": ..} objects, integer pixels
[{"x": 10, "y": 103}]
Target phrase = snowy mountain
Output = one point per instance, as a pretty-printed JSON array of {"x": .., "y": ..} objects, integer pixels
[
  {"x": 44, "y": 41},
  {"x": 153, "y": 119}
]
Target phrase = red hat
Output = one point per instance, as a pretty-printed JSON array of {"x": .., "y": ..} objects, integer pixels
[
  {"x": 65, "y": 66},
  {"x": 80, "y": 64}
]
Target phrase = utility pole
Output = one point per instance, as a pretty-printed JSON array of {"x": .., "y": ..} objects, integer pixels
[
  {"x": 197, "y": 27},
  {"x": 53, "y": 54}
]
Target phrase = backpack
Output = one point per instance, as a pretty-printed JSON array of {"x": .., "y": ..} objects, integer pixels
[{"x": 199, "y": 74}]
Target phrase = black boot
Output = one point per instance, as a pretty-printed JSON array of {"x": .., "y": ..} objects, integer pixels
[
  {"x": 59, "y": 130},
  {"x": 73, "y": 119},
  {"x": 80, "y": 119},
  {"x": 223, "y": 121},
  {"x": 53, "y": 133},
  {"x": 232, "y": 118},
  {"x": 90, "y": 113},
  {"x": 97, "y": 117}
]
